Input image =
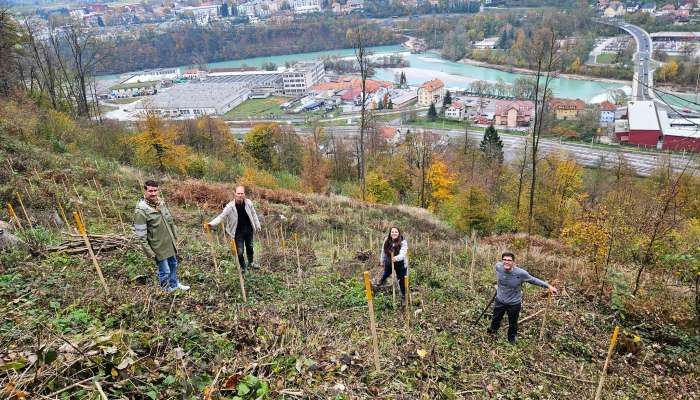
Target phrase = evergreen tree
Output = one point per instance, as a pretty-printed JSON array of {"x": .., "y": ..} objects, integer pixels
[
  {"x": 402, "y": 82},
  {"x": 224, "y": 9},
  {"x": 432, "y": 112},
  {"x": 390, "y": 105},
  {"x": 492, "y": 146},
  {"x": 447, "y": 100}
]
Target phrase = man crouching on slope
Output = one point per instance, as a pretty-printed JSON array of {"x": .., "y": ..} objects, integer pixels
[
  {"x": 509, "y": 294},
  {"x": 155, "y": 229}
]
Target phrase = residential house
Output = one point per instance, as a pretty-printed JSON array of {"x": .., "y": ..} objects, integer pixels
[
  {"x": 431, "y": 92},
  {"x": 648, "y": 7},
  {"x": 607, "y": 112},
  {"x": 513, "y": 113},
  {"x": 456, "y": 110},
  {"x": 668, "y": 9},
  {"x": 566, "y": 109},
  {"x": 305, "y": 6},
  {"x": 390, "y": 135},
  {"x": 614, "y": 10},
  {"x": 632, "y": 7}
]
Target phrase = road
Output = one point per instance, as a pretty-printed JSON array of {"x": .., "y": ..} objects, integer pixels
[
  {"x": 642, "y": 163},
  {"x": 643, "y": 81}
]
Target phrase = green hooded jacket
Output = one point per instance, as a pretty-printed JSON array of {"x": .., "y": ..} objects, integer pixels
[{"x": 155, "y": 230}]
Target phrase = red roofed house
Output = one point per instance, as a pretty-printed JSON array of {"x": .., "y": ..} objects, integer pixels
[
  {"x": 432, "y": 91},
  {"x": 607, "y": 112},
  {"x": 566, "y": 109},
  {"x": 456, "y": 110},
  {"x": 513, "y": 113}
]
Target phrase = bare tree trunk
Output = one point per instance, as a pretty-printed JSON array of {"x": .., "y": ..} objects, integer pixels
[
  {"x": 521, "y": 179},
  {"x": 362, "y": 59}
]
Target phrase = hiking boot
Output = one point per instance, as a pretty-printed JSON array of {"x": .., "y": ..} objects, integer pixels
[
  {"x": 182, "y": 287},
  {"x": 254, "y": 266},
  {"x": 169, "y": 289}
]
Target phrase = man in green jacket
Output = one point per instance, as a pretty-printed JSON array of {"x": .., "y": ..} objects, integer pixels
[{"x": 155, "y": 229}]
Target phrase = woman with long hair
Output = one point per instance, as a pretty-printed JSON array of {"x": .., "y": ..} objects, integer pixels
[{"x": 394, "y": 252}]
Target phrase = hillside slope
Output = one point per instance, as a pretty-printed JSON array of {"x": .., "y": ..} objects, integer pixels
[{"x": 304, "y": 331}]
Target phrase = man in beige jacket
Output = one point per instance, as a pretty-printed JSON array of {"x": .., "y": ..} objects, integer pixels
[{"x": 241, "y": 223}]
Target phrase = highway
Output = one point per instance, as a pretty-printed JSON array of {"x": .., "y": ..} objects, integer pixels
[{"x": 643, "y": 81}]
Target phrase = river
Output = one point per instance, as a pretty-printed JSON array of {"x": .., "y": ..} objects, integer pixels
[{"x": 427, "y": 66}]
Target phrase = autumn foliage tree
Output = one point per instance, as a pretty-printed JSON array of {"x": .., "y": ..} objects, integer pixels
[
  {"x": 316, "y": 168},
  {"x": 156, "y": 145},
  {"x": 442, "y": 183}
]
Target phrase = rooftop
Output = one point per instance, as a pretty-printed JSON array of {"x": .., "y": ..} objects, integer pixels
[
  {"x": 195, "y": 95},
  {"x": 642, "y": 116},
  {"x": 432, "y": 85},
  {"x": 607, "y": 106}
]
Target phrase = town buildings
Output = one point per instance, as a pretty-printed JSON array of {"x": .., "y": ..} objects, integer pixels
[
  {"x": 302, "y": 76},
  {"x": 431, "y": 92}
]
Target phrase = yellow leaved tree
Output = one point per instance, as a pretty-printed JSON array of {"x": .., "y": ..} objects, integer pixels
[
  {"x": 442, "y": 183},
  {"x": 156, "y": 145}
]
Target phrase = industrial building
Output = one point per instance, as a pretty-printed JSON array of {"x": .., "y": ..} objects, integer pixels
[
  {"x": 649, "y": 126},
  {"x": 191, "y": 100}
]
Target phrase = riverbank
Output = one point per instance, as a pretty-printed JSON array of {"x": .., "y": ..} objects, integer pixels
[{"x": 525, "y": 71}]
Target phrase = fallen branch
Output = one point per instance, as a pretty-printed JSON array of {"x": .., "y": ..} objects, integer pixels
[{"x": 528, "y": 318}]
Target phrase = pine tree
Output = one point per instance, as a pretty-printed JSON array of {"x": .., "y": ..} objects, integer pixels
[
  {"x": 492, "y": 146},
  {"x": 447, "y": 100},
  {"x": 390, "y": 104},
  {"x": 432, "y": 112},
  {"x": 402, "y": 82}
]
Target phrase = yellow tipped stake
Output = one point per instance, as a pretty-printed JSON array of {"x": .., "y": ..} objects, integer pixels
[
  {"x": 234, "y": 250},
  {"x": 207, "y": 231},
  {"x": 83, "y": 233},
  {"x": 372, "y": 326},
  {"x": 63, "y": 216},
  {"x": 24, "y": 210},
  {"x": 13, "y": 216},
  {"x": 613, "y": 341}
]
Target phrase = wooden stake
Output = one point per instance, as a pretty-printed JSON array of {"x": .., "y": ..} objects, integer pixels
[
  {"x": 296, "y": 245},
  {"x": 407, "y": 300},
  {"x": 544, "y": 316},
  {"x": 450, "y": 258},
  {"x": 119, "y": 215},
  {"x": 13, "y": 216},
  {"x": 372, "y": 326},
  {"x": 207, "y": 231},
  {"x": 234, "y": 250},
  {"x": 83, "y": 233},
  {"x": 473, "y": 261},
  {"x": 24, "y": 210},
  {"x": 613, "y": 341}
]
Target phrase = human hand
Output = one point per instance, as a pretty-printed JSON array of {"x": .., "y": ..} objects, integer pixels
[{"x": 553, "y": 291}]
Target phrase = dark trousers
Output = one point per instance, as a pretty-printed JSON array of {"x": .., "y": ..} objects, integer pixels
[
  {"x": 244, "y": 238},
  {"x": 513, "y": 311},
  {"x": 400, "y": 268}
]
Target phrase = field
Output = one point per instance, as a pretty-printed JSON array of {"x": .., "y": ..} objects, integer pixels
[
  {"x": 606, "y": 58},
  {"x": 257, "y": 108},
  {"x": 303, "y": 332}
]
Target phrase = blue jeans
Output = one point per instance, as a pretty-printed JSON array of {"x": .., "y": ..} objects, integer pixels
[{"x": 167, "y": 272}]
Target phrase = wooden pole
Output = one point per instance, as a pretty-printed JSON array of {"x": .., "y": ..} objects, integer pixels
[
  {"x": 207, "y": 231},
  {"x": 63, "y": 215},
  {"x": 450, "y": 258},
  {"x": 119, "y": 215},
  {"x": 372, "y": 326},
  {"x": 407, "y": 300},
  {"x": 24, "y": 210},
  {"x": 296, "y": 245},
  {"x": 234, "y": 250},
  {"x": 473, "y": 261},
  {"x": 544, "y": 316},
  {"x": 13, "y": 216},
  {"x": 613, "y": 341},
  {"x": 83, "y": 233}
]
